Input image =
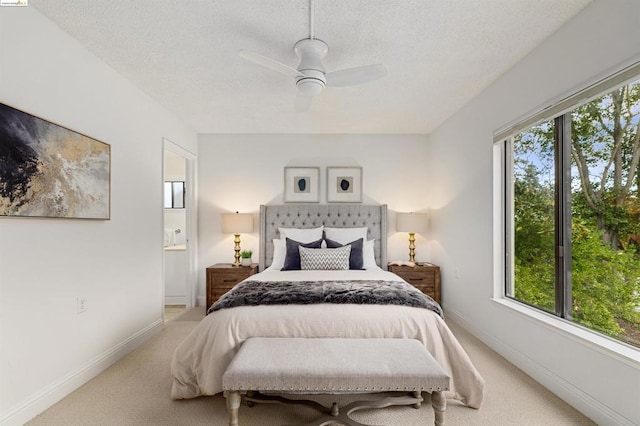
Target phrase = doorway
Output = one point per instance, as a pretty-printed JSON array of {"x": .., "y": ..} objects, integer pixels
[{"x": 179, "y": 227}]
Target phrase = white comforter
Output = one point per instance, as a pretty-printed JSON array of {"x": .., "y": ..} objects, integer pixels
[{"x": 201, "y": 359}]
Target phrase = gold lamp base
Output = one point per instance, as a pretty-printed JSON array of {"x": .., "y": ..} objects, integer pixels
[
  {"x": 412, "y": 246},
  {"x": 237, "y": 250}
]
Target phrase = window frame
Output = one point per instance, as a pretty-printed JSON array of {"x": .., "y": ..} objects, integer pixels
[
  {"x": 172, "y": 200},
  {"x": 560, "y": 320},
  {"x": 562, "y": 218}
]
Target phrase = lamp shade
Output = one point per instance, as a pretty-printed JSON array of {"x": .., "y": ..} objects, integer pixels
[
  {"x": 411, "y": 222},
  {"x": 237, "y": 223}
]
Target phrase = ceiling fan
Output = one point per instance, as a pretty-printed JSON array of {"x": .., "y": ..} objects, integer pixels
[{"x": 310, "y": 76}]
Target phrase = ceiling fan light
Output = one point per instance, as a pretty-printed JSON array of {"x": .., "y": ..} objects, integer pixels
[{"x": 310, "y": 87}]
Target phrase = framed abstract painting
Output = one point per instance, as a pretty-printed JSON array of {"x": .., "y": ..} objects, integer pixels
[
  {"x": 344, "y": 184},
  {"x": 47, "y": 170},
  {"x": 302, "y": 184}
]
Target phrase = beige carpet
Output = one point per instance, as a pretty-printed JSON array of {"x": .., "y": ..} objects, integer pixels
[
  {"x": 172, "y": 311},
  {"x": 136, "y": 391}
]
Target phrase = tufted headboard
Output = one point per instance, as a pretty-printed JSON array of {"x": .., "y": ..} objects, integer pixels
[{"x": 331, "y": 215}]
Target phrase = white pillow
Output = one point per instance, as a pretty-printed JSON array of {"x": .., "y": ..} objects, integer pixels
[
  {"x": 279, "y": 254},
  {"x": 329, "y": 259},
  {"x": 301, "y": 235},
  {"x": 345, "y": 235},
  {"x": 368, "y": 255}
]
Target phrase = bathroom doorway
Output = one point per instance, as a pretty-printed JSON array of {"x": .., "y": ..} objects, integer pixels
[{"x": 179, "y": 233}]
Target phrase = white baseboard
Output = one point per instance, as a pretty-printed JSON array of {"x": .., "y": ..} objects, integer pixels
[
  {"x": 44, "y": 399},
  {"x": 175, "y": 300},
  {"x": 201, "y": 301},
  {"x": 576, "y": 397}
]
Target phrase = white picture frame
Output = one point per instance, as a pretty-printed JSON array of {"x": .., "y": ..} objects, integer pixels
[
  {"x": 302, "y": 184},
  {"x": 344, "y": 184}
]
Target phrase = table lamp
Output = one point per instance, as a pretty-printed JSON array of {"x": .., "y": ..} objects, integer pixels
[
  {"x": 412, "y": 223},
  {"x": 237, "y": 223}
]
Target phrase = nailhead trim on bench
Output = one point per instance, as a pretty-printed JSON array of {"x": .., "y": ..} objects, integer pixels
[{"x": 342, "y": 389}]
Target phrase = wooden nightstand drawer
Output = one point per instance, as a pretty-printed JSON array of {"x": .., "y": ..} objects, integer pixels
[
  {"x": 418, "y": 278},
  {"x": 226, "y": 280},
  {"x": 429, "y": 289},
  {"x": 216, "y": 293},
  {"x": 222, "y": 277},
  {"x": 424, "y": 278}
]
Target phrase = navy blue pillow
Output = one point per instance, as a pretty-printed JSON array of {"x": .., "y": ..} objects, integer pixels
[
  {"x": 356, "y": 259},
  {"x": 292, "y": 258}
]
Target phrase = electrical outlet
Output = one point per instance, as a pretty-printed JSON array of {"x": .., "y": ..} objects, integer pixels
[{"x": 82, "y": 304}]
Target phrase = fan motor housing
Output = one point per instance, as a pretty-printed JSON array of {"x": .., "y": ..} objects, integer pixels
[
  {"x": 311, "y": 51},
  {"x": 312, "y": 83}
]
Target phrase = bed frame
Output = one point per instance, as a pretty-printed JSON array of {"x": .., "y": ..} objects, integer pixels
[{"x": 331, "y": 215}]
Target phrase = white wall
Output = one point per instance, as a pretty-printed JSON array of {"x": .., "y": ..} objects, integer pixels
[
  {"x": 605, "y": 36},
  {"x": 240, "y": 172},
  {"x": 46, "y": 348}
]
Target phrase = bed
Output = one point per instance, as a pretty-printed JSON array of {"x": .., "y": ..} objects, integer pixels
[{"x": 201, "y": 359}]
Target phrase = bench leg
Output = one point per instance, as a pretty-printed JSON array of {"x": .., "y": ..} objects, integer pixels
[
  {"x": 250, "y": 394},
  {"x": 417, "y": 394},
  {"x": 233, "y": 404},
  {"x": 439, "y": 403}
]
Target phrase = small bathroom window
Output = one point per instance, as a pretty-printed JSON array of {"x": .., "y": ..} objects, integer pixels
[{"x": 174, "y": 195}]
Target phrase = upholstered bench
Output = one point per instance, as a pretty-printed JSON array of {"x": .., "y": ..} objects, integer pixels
[{"x": 334, "y": 366}]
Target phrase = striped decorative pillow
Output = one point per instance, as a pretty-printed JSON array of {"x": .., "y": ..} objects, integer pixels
[{"x": 328, "y": 259}]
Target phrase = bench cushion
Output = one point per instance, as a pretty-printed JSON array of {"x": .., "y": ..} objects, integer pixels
[{"x": 334, "y": 365}]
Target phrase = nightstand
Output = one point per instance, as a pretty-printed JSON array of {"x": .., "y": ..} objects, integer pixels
[
  {"x": 221, "y": 278},
  {"x": 425, "y": 278}
]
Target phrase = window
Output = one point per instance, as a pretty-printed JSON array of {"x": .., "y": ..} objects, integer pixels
[
  {"x": 174, "y": 195},
  {"x": 573, "y": 211}
]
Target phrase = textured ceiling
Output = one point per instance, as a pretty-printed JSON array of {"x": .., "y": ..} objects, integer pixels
[{"x": 439, "y": 54}]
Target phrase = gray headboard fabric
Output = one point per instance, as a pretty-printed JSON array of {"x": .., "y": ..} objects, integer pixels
[{"x": 331, "y": 215}]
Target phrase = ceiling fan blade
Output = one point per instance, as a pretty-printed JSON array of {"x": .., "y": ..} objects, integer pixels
[
  {"x": 355, "y": 76},
  {"x": 303, "y": 103},
  {"x": 270, "y": 63}
]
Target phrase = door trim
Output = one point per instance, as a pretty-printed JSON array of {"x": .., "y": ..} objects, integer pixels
[{"x": 191, "y": 224}]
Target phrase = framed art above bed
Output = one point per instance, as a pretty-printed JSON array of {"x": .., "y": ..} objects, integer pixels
[
  {"x": 302, "y": 184},
  {"x": 344, "y": 184}
]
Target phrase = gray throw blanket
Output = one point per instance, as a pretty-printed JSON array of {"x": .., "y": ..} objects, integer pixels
[{"x": 368, "y": 292}]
